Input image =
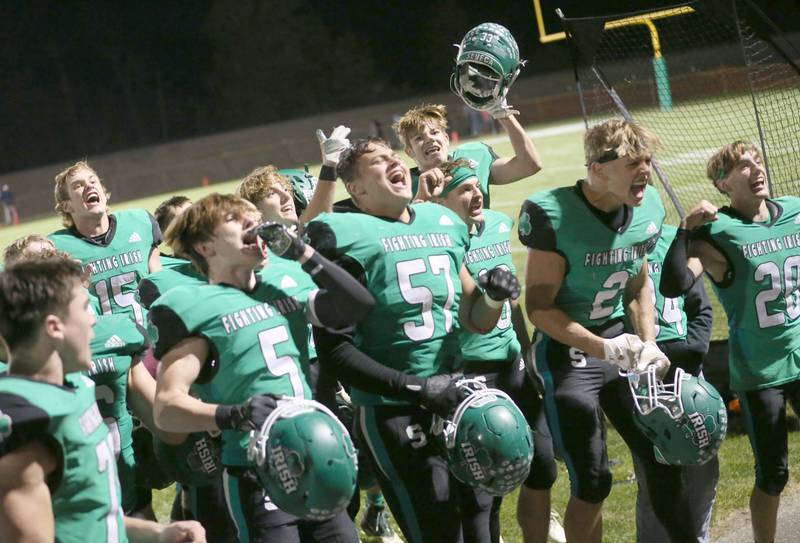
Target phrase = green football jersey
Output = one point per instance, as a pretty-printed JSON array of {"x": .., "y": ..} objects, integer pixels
[
  {"x": 490, "y": 247},
  {"x": 412, "y": 271},
  {"x": 118, "y": 262},
  {"x": 600, "y": 259},
  {"x": 671, "y": 321},
  {"x": 298, "y": 284},
  {"x": 159, "y": 283},
  {"x": 760, "y": 294},
  {"x": 480, "y": 157},
  {"x": 257, "y": 340},
  {"x": 85, "y": 490},
  {"x": 168, "y": 261},
  {"x": 116, "y": 342}
]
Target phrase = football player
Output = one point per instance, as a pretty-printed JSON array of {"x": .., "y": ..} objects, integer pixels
[
  {"x": 410, "y": 258},
  {"x": 586, "y": 271},
  {"x": 497, "y": 355},
  {"x": 751, "y": 251},
  {"x": 683, "y": 332},
  {"x": 164, "y": 214},
  {"x": 278, "y": 193},
  {"x": 118, "y": 248},
  {"x": 58, "y": 477},
  {"x": 122, "y": 385},
  {"x": 240, "y": 341},
  {"x": 423, "y": 133}
]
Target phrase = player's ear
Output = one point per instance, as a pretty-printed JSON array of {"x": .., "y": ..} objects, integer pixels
[
  {"x": 53, "y": 327},
  {"x": 409, "y": 151},
  {"x": 597, "y": 169},
  {"x": 205, "y": 249},
  {"x": 354, "y": 188}
]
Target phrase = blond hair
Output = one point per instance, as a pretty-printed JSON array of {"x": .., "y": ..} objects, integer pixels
[
  {"x": 61, "y": 189},
  {"x": 616, "y": 138},
  {"x": 725, "y": 159},
  {"x": 417, "y": 118},
  {"x": 258, "y": 183},
  {"x": 22, "y": 248},
  {"x": 198, "y": 223}
]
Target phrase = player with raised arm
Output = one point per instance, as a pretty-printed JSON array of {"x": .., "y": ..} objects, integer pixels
[
  {"x": 586, "y": 271},
  {"x": 58, "y": 477},
  {"x": 486, "y": 66},
  {"x": 411, "y": 259},
  {"x": 683, "y": 333},
  {"x": 294, "y": 196},
  {"x": 241, "y": 341},
  {"x": 497, "y": 356},
  {"x": 118, "y": 248},
  {"x": 751, "y": 251}
]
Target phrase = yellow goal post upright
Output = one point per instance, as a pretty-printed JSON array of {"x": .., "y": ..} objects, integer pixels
[{"x": 732, "y": 75}]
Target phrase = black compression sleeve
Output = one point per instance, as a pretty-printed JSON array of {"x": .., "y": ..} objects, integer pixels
[
  {"x": 676, "y": 277},
  {"x": 343, "y": 301},
  {"x": 351, "y": 366},
  {"x": 699, "y": 318}
]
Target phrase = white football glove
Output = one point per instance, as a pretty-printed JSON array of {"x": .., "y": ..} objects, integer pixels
[
  {"x": 623, "y": 351},
  {"x": 499, "y": 109},
  {"x": 652, "y": 355},
  {"x": 333, "y": 146}
]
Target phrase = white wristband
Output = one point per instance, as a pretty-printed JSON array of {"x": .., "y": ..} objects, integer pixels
[{"x": 491, "y": 302}]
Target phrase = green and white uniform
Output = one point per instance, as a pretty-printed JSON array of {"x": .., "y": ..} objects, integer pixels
[
  {"x": 490, "y": 247},
  {"x": 480, "y": 157},
  {"x": 258, "y": 339},
  {"x": 760, "y": 293},
  {"x": 118, "y": 259},
  {"x": 600, "y": 260},
  {"x": 168, "y": 261},
  {"x": 85, "y": 489},
  {"x": 412, "y": 271},
  {"x": 116, "y": 342}
]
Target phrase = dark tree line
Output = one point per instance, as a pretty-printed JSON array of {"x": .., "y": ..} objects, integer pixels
[{"x": 83, "y": 78}]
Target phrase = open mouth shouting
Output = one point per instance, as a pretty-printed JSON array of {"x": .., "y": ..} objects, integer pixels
[
  {"x": 91, "y": 197},
  {"x": 397, "y": 176}
]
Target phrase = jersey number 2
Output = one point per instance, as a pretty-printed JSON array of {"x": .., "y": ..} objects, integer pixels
[{"x": 789, "y": 291}]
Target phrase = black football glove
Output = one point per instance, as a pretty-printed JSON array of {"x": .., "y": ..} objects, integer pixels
[
  {"x": 246, "y": 416},
  {"x": 440, "y": 395},
  {"x": 281, "y": 240},
  {"x": 499, "y": 284}
]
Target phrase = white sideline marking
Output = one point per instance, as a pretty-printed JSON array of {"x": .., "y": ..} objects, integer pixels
[{"x": 570, "y": 128}]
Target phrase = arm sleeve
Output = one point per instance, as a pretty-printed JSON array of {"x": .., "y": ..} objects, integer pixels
[
  {"x": 535, "y": 228},
  {"x": 676, "y": 277},
  {"x": 338, "y": 355},
  {"x": 699, "y": 316},
  {"x": 171, "y": 329},
  {"x": 343, "y": 300}
]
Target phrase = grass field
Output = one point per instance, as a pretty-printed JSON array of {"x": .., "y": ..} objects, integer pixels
[{"x": 561, "y": 150}]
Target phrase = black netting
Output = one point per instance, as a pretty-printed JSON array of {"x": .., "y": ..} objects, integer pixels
[{"x": 718, "y": 80}]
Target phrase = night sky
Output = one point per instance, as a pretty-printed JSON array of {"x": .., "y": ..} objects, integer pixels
[{"x": 83, "y": 78}]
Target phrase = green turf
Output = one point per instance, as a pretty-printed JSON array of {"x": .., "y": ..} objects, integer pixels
[{"x": 563, "y": 164}]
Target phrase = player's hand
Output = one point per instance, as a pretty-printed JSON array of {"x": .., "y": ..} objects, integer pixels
[
  {"x": 499, "y": 109},
  {"x": 703, "y": 213},
  {"x": 246, "y": 416},
  {"x": 183, "y": 531},
  {"x": 431, "y": 183},
  {"x": 623, "y": 351},
  {"x": 440, "y": 395},
  {"x": 651, "y": 355},
  {"x": 281, "y": 240},
  {"x": 333, "y": 146},
  {"x": 499, "y": 284}
]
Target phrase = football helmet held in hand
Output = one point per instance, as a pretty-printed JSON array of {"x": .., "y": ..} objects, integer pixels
[
  {"x": 686, "y": 420},
  {"x": 487, "y": 64},
  {"x": 488, "y": 443},
  {"x": 305, "y": 460},
  {"x": 195, "y": 462}
]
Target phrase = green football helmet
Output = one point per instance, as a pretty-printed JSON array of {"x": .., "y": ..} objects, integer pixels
[
  {"x": 195, "y": 462},
  {"x": 303, "y": 186},
  {"x": 305, "y": 460},
  {"x": 686, "y": 420},
  {"x": 488, "y": 443},
  {"x": 487, "y": 64}
]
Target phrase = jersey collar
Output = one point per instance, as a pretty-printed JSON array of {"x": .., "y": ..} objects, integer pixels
[
  {"x": 775, "y": 213},
  {"x": 618, "y": 220},
  {"x": 103, "y": 240}
]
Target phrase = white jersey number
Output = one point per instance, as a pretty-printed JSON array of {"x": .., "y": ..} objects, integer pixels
[
  {"x": 439, "y": 265},
  {"x": 611, "y": 287},
  {"x": 787, "y": 289}
]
